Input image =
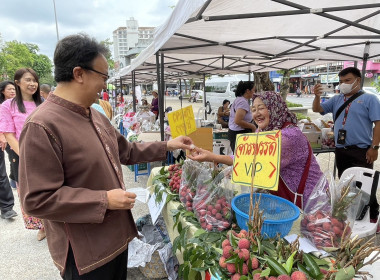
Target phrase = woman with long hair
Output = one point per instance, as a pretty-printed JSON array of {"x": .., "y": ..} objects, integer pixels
[
  {"x": 7, "y": 91},
  {"x": 13, "y": 114}
]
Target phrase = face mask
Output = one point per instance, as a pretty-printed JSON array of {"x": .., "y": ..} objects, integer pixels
[{"x": 346, "y": 88}]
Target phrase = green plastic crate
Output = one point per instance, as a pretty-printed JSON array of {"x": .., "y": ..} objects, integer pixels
[{"x": 141, "y": 166}]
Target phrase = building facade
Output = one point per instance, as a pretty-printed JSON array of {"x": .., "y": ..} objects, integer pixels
[{"x": 129, "y": 41}]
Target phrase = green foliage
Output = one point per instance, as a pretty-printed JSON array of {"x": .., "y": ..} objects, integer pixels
[
  {"x": 290, "y": 104},
  {"x": 107, "y": 44},
  {"x": 376, "y": 84},
  {"x": 15, "y": 55}
]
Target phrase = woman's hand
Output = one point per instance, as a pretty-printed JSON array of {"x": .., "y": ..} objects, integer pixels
[
  {"x": 201, "y": 155},
  {"x": 181, "y": 142},
  {"x": 3, "y": 142}
]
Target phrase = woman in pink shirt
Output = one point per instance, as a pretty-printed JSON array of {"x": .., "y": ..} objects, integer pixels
[{"x": 13, "y": 114}]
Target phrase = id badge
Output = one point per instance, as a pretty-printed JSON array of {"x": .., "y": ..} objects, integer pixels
[{"x": 342, "y": 133}]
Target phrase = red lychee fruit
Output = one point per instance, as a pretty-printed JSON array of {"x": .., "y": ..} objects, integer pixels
[
  {"x": 244, "y": 269},
  {"x": 222, "y": 262},
  {"x": 284, "y": 277},
  {"x": 227, "y": 251},
  {"x": 255, "y": 263},
  {"x": 236, "y": 276},
  {"x": 231, "y": 268},
  {"x": 326, "y": 226},
  {"x": 257, "y": 277},
  {"x": 244, "y": 243},
  {"x": 244, "y": 254},
  {"x": 225, "y": 243},
  {"x": 272, "y": 278},
  {"x": 298, "y": 275}
]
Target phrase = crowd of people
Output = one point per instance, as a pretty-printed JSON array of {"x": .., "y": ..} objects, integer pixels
[{"x": 79, "y": 198}]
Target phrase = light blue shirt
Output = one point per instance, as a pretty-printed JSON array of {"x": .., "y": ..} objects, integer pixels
[
  {"x": 364, "y": 110},
  {"x": 98, "y": 108}
]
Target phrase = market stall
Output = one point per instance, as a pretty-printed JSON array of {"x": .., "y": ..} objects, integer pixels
[{"x": 183, "y": 229}]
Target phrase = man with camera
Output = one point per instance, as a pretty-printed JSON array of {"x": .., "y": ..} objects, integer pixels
[{"x": 356, "y": 121}]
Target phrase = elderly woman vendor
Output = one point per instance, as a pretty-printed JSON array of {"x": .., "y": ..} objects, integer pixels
[{"x": 299, "y": 170}]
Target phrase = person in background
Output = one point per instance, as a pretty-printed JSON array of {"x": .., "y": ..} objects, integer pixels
[
  {"x": 45, "y": 90},
  {"x": 240, "y": 112},
  {"x": 154, "y": 106},
  {"x": 299, "y": 169},
  {"x": 7, "y": 91},
  {"x": 357, "y": 128},
  {"x": 13, "y": 114},
  {"x": 105, "y": 95},
  {"x": 144, "y": 102},
  {"x": 224, "y": 113},
  {"x": 70, "y": 168}
]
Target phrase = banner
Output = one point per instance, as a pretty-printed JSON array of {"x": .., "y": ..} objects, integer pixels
[
  {"x": 182, "y": 122},
  {"x": 268, "y": 154}
]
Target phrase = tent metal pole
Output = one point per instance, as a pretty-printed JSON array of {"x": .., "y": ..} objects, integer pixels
[
  {"x": 121, "y": 90},
  {"x": 161, "y": 98},
  {"x": 159, "y": 91},
  {"x": 180, "y": 91},
  {"x": 365, "y": 59},
  {"x": 134, "y": 91},
  {"x": 204, "y": 94}
]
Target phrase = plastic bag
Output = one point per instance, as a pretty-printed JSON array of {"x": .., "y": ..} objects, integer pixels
[
  {"x": 330, "y": 212},
  {"x": 212, "y": 203},
  {"x": 188, "y": 187}
]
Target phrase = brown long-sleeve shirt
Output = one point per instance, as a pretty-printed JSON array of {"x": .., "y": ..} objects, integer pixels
[{"x": 68, "y": 161}]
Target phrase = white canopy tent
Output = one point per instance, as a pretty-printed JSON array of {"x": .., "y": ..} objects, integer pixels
[{"x": 238, "y": 36}]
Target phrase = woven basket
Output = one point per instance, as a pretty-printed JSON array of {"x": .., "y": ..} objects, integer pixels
[{"x": 155, "y": 268}]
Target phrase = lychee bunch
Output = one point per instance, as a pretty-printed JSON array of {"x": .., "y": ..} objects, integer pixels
[
  {"x": 175, "y": 174},
  {"x": 212, "y": 212},
  {"x": 323, "y": 229}
]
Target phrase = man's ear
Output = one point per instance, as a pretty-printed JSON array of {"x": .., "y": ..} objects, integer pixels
[{"x": 78, "y": 74}]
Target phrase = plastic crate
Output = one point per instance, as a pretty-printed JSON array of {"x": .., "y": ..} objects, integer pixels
[
  {"x": 278, "y": 213},
  {"x": 141, "y": 166}
]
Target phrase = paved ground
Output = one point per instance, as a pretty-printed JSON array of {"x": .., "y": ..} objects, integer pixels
[{"x": 23, "y": 257}]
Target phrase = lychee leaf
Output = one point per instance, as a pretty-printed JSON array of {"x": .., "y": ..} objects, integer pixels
[
  {"x": 199, "y": 232},
  {"x": 265, "y": 272},
  {"x": 345, "y": 273},
  {"x": 289, "y": 262}
]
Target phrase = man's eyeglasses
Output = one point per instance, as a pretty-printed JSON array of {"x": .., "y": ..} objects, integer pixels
[{"x": 93, "y": 70}]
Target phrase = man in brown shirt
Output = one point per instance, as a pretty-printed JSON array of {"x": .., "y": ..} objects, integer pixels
[{"x": 70, "y": 168}]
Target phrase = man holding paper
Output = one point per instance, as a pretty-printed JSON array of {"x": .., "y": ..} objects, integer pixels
[{"x": 70, "y": 168}]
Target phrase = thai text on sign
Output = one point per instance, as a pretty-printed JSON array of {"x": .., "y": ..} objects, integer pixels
[
  {"x": 268, "y": 152},
  {"x": 182, "y": 121}
]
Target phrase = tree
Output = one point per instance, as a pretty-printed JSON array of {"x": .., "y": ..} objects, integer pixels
[
  {"x": 263, "y": 82},
  {"x": 107, "y": 44},
  {"x": 285, "y": 85},
  {"x": 15, "y": 55},
  {"x": 376, "y": 84}
]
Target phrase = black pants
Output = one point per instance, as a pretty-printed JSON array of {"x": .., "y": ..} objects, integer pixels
[
  {"x": 355, "y": 157},
  {"x": 13, "y": 160},
  {"x": 6, "y": 194},
  {"x": 12, "y": 155},
  {"x": 232, "y": 137},
  {"x": 113, "y": 270}
]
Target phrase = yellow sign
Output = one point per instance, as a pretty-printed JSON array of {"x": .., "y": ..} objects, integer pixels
[
  {"x": 182, "y": 121},
  {"x": 268, "y": 155}
]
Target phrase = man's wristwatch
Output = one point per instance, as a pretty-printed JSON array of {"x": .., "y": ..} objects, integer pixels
[{"x": 375, "y": 147}]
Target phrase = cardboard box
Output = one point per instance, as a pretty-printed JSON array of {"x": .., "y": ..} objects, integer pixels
[{"x": 313, "y": 134}]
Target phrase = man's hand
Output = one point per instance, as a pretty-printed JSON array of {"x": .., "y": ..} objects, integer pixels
[
  {"x": 119, "y": 199},
  {"x": 371, "y": 155},
  {"x": 181, "y": 142},
  {"x": 318, "y": 90}
]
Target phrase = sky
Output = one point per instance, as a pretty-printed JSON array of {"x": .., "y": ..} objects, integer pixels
[{"x": 34, "y": 22}]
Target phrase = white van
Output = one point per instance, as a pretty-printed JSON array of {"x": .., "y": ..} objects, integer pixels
[{"x": 221, "y": 88}]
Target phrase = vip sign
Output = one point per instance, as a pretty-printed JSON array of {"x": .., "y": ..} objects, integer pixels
[
  {"x": 267, "y": 148},
  {"x": 182, "y": 122}
]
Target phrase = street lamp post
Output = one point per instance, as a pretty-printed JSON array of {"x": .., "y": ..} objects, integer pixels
[{"x": 56, "y": 23}]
